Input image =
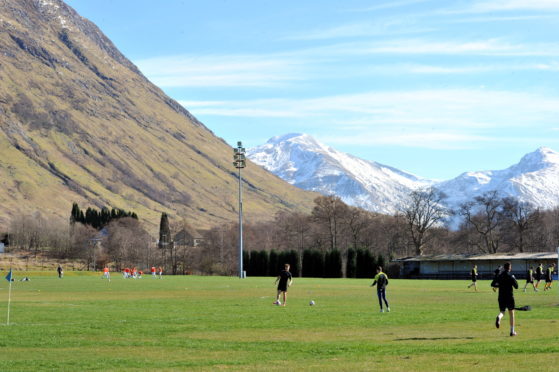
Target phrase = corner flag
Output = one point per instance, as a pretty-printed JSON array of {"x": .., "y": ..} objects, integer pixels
[{"x": 9, "y": 278}]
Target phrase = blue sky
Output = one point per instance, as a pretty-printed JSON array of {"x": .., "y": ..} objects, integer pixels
[{"x": 435, "y": 88}]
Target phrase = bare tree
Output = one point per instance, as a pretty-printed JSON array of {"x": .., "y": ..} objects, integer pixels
[
  {"x": 127, "y": 242},
  {"x": 81, "y": 246},
  {"x": 522, "y": 217},
  {"x": 484, "y": 216},
  {"x": 328, "y": 213},
  {"x": 355, "y": 221},
  {"x": 423, "y": 211}
]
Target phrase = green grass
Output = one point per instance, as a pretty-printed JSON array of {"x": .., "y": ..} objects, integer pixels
[{"x": 214, "y": 323}]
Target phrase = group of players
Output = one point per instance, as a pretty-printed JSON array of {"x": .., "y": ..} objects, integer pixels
[
  {"x": 532, "y": 277},
  {"x": 133, "y": 273},
  {"x": 503, "y": 281},
  {"x": 285, "y": 279}
]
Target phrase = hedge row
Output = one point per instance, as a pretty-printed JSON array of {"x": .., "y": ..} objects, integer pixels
[
  {"x": 270, "y": 263},
  {"x": 360, "y": 263}
]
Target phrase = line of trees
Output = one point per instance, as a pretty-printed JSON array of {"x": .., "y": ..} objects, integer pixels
[
  {"x": 98, "y": 218},
  {"x": 486, "y": 224},
  {"x": 331, "y": 233}
]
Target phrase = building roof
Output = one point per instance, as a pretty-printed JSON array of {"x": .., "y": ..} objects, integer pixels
[{"x": 483, "y": 257}]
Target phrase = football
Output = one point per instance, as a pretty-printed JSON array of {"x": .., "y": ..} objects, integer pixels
[
  {"x": 311, "y": 303},
  {"x": 278, "y": 302}
]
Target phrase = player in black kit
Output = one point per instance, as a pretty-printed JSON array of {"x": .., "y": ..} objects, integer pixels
[
  {"x": 285, "y": 279},
  {"x": 506, "y": 284}
]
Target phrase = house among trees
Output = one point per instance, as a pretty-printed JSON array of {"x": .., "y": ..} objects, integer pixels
[
  {"x": 187, "y": 237},
  {"x": 458, "y": 266}
]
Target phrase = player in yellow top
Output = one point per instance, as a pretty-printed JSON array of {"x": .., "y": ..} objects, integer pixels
[
  {"x": 473, "y": 273},
  {"x": 530, "y": 279},
  {"x": 381, "y": 281},
  {"x": 549, "y": 277}
]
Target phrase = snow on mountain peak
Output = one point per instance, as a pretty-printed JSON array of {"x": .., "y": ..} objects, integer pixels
[
  {"x": 304, "y": 162},
  {"x": 285, "y": 137},
  {"x": 541, "y": 158}
]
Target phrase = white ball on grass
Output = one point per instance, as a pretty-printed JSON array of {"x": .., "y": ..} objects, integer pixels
[{"x": 311, "y": 303}]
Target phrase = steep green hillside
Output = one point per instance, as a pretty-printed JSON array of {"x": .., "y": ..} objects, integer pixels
[{"x": 79, "y": 122}]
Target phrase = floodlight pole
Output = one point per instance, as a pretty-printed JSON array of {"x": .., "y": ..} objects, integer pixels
[{"x": 239, "y": 162}]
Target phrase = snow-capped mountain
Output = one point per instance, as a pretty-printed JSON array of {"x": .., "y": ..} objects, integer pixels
[
  {"x": 304, "y": 162},
  {"x": 535, "y": 179}
]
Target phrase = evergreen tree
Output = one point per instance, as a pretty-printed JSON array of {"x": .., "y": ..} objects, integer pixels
[
  {"x": 264, "y": 263},
  {"x": 246, "y": 263},
  {"x": 307, "y": 263},
  {"x": 283, "y": 258},
  {"x": 333, "y": 264},
  {"x": 273, "y": 264},
  {"x": 75, "y": 214},
  {"x": 365, "y": 264},
  {"x": 370, "y": 265},
  {"x": 381, "y": 262},
  {"x": 98, "y": 219},
  {"x": 351, "y": 264},
  {"x": 164, "y": 231},
  {"x": 318, "y": 264},
  {"x": 295, "y": 263}
]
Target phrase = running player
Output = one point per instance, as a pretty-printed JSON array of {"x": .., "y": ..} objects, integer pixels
[
  {"x": 530, "y": 279},
  {"x": 473, "y": 273},
  {"x": 381, "y": 281},
  {"x": 160, "y": 272},
  {"x": 549, "y": 277},
  {"x": 284, "y": 281},
  {"x": 506, "y": 282},
  {"x": 539, "y": 274},
  {"x": 153, "y": 273}
]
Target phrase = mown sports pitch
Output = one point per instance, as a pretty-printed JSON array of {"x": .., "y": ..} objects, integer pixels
[{"x": 195, "y": 323}]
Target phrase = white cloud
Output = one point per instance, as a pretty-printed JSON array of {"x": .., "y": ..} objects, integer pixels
[
  {"x": 488, "y": 47},
  {"x": 287, "y": 68},
  {"x": 510, "y": 5},
  {"x": 426, "y": 118},
  {"x": 430, "y": 140},
  {"x": 221, "y": 70},
  {"x": 422, "y": 69},
  {"x": 500, "y": 19},
  {"x": 352, "y": 30},
  {"x": 391, "y": 4}
]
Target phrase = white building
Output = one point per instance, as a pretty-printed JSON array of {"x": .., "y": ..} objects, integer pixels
[{"x": 458, "y": 266}]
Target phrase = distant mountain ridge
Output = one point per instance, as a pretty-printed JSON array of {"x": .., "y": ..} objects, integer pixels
[{"x": 304, "y": 162}]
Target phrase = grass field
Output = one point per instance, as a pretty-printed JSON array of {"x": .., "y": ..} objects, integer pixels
[{"x": 82, "y": 322}]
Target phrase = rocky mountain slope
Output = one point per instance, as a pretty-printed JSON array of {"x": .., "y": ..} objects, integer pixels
[
  {"x": 302, "y": 161},
  {"x": 79, "y": 122}
]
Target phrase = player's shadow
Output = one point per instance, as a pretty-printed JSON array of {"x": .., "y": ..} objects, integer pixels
[{"x": 432, "y": 338}]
